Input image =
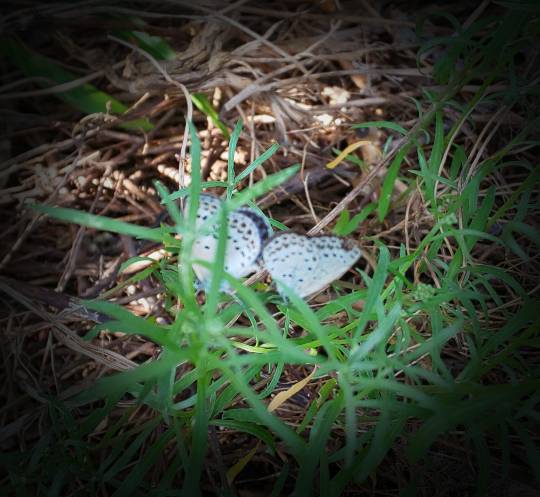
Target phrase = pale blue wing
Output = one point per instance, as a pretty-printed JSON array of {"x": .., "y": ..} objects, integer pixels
[
  {"x": 308, "y": 264},
  {"x": 247, "y": 231},
  {"x": 291, "y": 259},
  {"x": 336, "y": 256}
]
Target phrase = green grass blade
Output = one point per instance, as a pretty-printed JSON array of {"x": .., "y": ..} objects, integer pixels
[
  {"x": 233, "y": 142},
  {"x": 434, "y": 162},
  {"x": 257, "y": 162},
  {"x": 85, "y": 98},
  {"x": 381, "y": 124},
  {"x": 203, "y": 104},
  {"x": 388, "y": 183},
  {"x": 315, "y": 448},
  {"x": 156, "y": 46},
  {"x": 99, "y": 222},
  {"x": 374, "y": 291}
]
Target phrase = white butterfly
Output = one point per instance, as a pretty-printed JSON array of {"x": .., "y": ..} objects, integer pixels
[
  {"x": 308, "y": 264},
  {"x": 247, "y": 231}
]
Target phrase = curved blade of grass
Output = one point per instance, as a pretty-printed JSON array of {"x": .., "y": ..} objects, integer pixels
[
  {"x": 318, "y": 437},
  {"x": 150, "y": 458},
  {"x": 274, "y": 424},
  {"x": 389, "y": 181},
  {"x": 203, "y": 104},
  {"x": 434, "y": 162},
  {"x": 233, "y": 472},
  {"x": 199, "y": 437},
  {"x": 156, "y": 46},
  {"x": 249, "y": 194},
  {"x": 527, "y": 185},
  {"x": 374, "y": 291},
  {"x": 533, "y": 454},
  {"x": 188, "y": 237},
  {"x": 346, "y": 226},
  {"x": 263, "y": 186},
  {"x": 280, "y": 482},
  {"x": 124, "y": 381},
  {"x": 218, "y": 265},
  {"x": 125, "y": 454},
  {"x": 257, "y": 162},
  {"x": 99, "y": 222},
  {"x": 85, "y": 98},
  {"x": 230, "y": 157},
  {"x": 381, "y": 124},
  {"x": 385, "y": 325},
  {"x": 129, "y": 323}
]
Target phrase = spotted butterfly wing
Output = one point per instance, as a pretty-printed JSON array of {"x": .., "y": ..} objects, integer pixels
[
  {"x": 247, "y": 231},
  {"x": 308, "y": 264}
]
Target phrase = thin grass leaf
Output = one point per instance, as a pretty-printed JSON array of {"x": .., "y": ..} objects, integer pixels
[
  {"x": 384, "y": 434},
  {"x": 482, "y": 459},
  {"x": 277, "y": 491},
  {"x": 312, "y": 324},
  {"x": 172, "y": 208},
  {"x": 511, "y": 242},
  {"x": 381, "y": 124},
  {"x": 254, "y": 429},
  {"x": 188, "y": 236},
  {"x": 85, "y": 97},
  {"x": 143, "y": 466},
  {"x": 346, "y": 226},
  {"x": 525, "y": 230},
  {"x": 317, "y": 439},
  {"x": 126, "y": 453},
  {"x": 374, "y": 290},
  {"x": 343, "y": 219},
  {"x": 347, "y": 153},
  {"x": 480, "y": 218},
  {"x": 218, "y": 265},
  {"x": 129, "y": 323},
  {"x": 351, "y": 424},
  {"x": 124, "y": 381},
  {"x": 256, "y": 163},
  {"x": 352, "y": 158},
  {"x": 185, "y": 192},
  {"x": 509, "y": 204},
  {"x": 57, "y": 483},
  {"x": 435, "y": 158},
  {"x": 233, "y": 471},
  {"x": 199, "y": 436},
  {"x": 388, "y": 183},
  {"x": 459, "y": 161},
  {"x": 156, "y": 46},
  {"x": 263, "y": 186},
  {"x": 385, "y": 324},
  {"x": 203, "y": 104},
  {"x": 533, "y": 454},
  {"x": 99, "y": 222},
  {"x": 230, "y": 158},
  {"x": 276, "y": 375}
]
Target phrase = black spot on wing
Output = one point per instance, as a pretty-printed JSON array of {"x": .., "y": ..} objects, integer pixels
[{"x": 263, "y": 228}]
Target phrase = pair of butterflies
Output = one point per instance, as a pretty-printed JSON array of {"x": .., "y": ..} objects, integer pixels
[{"x": 304, "y": 264}]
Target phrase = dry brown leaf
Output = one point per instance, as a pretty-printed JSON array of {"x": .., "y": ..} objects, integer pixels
[{"x": 282, "y": 397}]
